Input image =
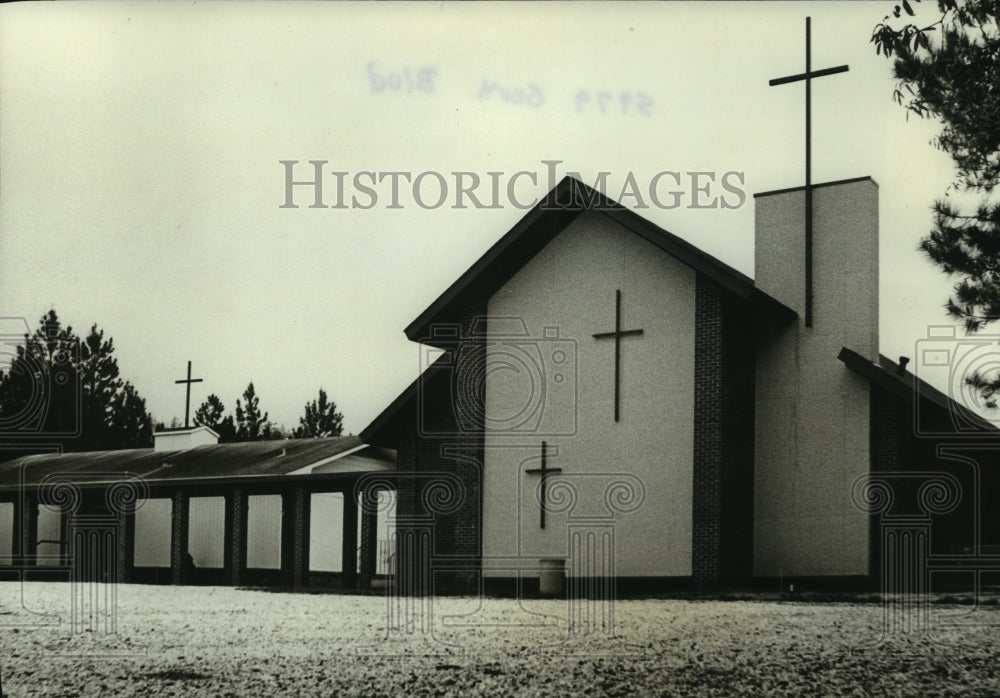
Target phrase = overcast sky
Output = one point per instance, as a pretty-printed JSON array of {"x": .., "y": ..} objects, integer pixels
[{"x": 141, "y": 187}]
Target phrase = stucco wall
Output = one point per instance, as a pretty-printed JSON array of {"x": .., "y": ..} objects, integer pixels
[
  {"x": 569, "y": 287},
  {"x": 812, "y": 412}
]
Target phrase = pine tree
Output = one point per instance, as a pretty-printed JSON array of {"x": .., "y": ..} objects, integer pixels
[
  {"x": 211, "y": 414},
  {"x": 249, "y": 421},
  {"x": 69, "y": 391},
  {"x": 949, "y": 70},
  {"x": 320, "y": 419},
  {"x": 273, "y": 432},
  {"x": 40, "y": 391},
  {"x": 130, "y": 420},
  {"x": 100, "y": 386}
]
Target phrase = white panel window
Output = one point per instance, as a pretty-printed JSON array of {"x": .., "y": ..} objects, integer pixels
[
  {"x": 49, "y": 531},
  {"x": 207, "y": 531},
  {"x": 264, "y": 532},
  {"x": 152, "y": 533},
  {"x": 326, "y": 532},
  {"x": 6, "y": 532}
]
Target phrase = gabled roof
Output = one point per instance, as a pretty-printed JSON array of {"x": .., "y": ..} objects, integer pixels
[
  {"x": 543, "y": 223},
  {"x": 897, "y": 381},
  {"x": 401, "y": 415},
  {"x": 246, "y": 461}
]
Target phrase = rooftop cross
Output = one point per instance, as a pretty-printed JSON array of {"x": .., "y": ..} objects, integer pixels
[
  {"x": 187, "y": 402},
  {"x": 808, "y": 78}
]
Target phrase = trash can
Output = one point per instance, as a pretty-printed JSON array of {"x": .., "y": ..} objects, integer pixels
[{"x": 552, "y": 576}]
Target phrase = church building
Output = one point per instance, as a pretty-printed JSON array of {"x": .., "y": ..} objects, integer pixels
[
  {"x": 604, "y": 399},
  {"x": 600, "y": 402}
]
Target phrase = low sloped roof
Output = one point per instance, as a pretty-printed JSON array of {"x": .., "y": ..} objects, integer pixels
[
  {"x": 905, "y": 385},
  {"x": 252, "y": 459},
  {"x": 402, "y": 414}
]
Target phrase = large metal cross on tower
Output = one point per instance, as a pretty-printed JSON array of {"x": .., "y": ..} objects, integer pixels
[
  {"x": 808, "y": 77},
  {"x": 187, "y": 402}
]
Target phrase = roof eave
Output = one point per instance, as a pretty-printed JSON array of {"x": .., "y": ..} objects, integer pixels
[
  {"x": 546, "y": 220},
  {"x": 906, "y": 386}
]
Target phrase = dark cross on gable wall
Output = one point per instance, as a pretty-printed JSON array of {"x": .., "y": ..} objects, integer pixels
[
  {"x": 187, "y": 402},
  {"x": 618, "y": 333},
  {"x": 544, "y": 472},
  {"x": 808, "y": 77}
]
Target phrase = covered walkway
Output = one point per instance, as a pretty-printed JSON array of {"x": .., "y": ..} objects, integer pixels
[{"x": 292, "y": 513}]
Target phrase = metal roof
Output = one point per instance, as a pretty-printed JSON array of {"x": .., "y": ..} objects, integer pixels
[{"x": 233, "y": 461}]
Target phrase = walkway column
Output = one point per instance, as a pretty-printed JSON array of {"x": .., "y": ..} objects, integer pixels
[
  {"x": 369, "y": 538},
  {"x": 126, "y": 545},
  {"x": 349, "y": 562},
  {"x": 15, "y": 534},
  {"x": 236, "y": 515},
  {"x": 27, "y": 517},
  {"x": 179, "y": 538},
  {"x": 294, "y": 529},
  {"x": 300, "y": 528}
]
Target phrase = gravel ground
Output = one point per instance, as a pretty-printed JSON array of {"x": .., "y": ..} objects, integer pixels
[{"x": 174, "y": 641}]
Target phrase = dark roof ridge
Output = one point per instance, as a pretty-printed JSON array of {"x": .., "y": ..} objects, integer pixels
[{"x": 549, "y": 217}]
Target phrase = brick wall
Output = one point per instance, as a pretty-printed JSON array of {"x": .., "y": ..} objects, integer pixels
[
  {"x": 722, "y": 509},
  {"x": 887, "y": 437},
  {"x": 28, "y": 526},
  {"x": 448, "y": 440},
  {"x": 126, "y": 545},
  {"x": 236, "y": 505},
  {"x": 887, "y": 449},
  {"x": 300, "y": 530},
  {"x": 369, "y": 541},
  {"x": 179, "y": 537},
  {"x": 709, "y": 396}
]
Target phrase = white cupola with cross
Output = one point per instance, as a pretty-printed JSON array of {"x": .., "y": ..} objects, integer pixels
[
  {"x": 184, "y": 439},
  {"x": 187, "y": 436}
]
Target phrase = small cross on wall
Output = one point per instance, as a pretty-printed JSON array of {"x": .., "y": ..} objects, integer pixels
[{"x": 544, "y": 472}]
